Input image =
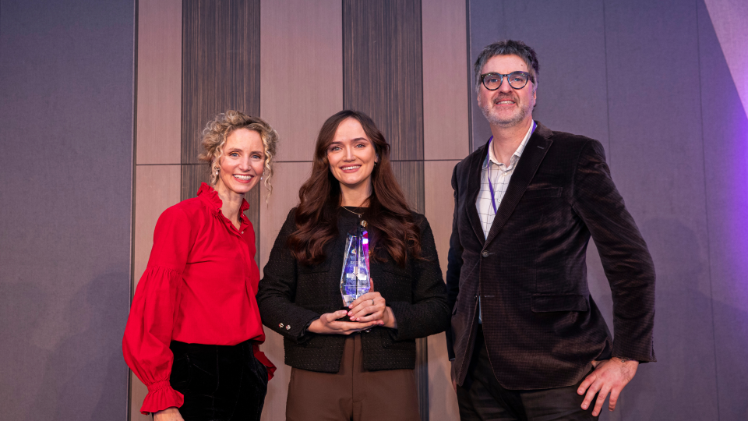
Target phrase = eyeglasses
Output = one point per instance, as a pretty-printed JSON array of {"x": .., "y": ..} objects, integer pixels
[{"x": 517, "y": 80}]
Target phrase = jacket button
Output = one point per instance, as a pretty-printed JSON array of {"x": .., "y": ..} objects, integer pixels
[
  {"x": 288, "y": 327},
  {"x": 280, "y": 325},
  {"x": 484, "y": 253}
]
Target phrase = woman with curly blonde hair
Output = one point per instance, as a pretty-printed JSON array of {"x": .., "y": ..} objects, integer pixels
[{"x": 194, "y": 328}]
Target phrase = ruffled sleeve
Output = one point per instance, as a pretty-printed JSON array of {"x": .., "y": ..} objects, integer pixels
[{"x": 149, "y": 327}]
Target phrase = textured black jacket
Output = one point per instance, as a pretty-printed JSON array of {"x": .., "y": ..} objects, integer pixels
[
  {"x": 291, "y": 296},
  {"x": 541, "y": 327}
]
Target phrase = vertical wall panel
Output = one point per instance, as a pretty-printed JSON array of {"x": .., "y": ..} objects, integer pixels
[
  {"x": 158, "y": 140},
  {"x": 409, "y": 175},
  {"x": 656, "y": 155},
  {"x": 439, "y": 206},
  {"x": 725, "y": 158},
  {"x": 192, "y": 176},
  {"x": 287, "y": 181},
  {"x": 382, "y": 69},
  {"x": 220, "y": 71},
  {"x": 159, "y": 104},
  {"x": 729, "y": 17},
  {"x": 572, "y": 86},
  {"x": 382, "y": 76},
  {"x": 487, "y": 25},
  {"x": 157, "y": 188},
  {"x": 446, "y": 129},
  {"x": 67, "y": 88},
  {"x": 572, "y": 66},
  {"x": 302, "y": 70},
  {"x": 220, "y": 64}
]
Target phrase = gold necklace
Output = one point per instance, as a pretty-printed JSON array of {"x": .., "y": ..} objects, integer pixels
[
  {"x": 355, "y": 213},
  {"x": 363, "y": 222}
]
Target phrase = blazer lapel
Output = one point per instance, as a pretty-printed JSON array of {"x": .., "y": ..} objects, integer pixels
[
  {"x": 535, "y": 150},
  {"x": 473, "y": 188}
]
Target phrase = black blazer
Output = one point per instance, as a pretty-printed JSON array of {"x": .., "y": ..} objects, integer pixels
[
  {"x": 291, "y": 296},
  {"x": 542, "y": 328}
]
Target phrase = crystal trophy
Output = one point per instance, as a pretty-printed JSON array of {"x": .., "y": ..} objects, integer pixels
[{"x": 355, "y": 281}]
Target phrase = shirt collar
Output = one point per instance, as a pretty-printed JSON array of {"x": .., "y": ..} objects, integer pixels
[
  {"x": 515, "y": 156},
  {"x": 210, "y": 198}
]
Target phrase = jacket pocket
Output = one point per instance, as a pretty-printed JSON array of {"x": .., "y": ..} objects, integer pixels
[
  {"x": 388, "y": 343},
  {"x": 544, "y": 303}
]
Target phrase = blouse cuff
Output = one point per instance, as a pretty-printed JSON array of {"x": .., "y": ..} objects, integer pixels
[
  {"x": 161, "y": 396},
  {"x": 260, "y": 356}
]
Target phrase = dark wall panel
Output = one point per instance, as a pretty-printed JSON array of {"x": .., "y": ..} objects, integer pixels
[
  {"x": 382, "y": 69},
  {"x": 410, "y": 176},
  {"x": 66, "y": 83},
  {"x": 571, "y": 92},
  {"x": 487, "y": 24},
  {"x": 382, "y": 76},
  {"x": 220, "y": 72},
  {"x": 725, "y": 158},
  {"x": 656, "y": 157},
  {"x": 572, "y": 87},
  {"x": 220, "y": 64}
]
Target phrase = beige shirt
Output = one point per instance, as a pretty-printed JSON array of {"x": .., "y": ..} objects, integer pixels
[{"x": 500, "y": 175}]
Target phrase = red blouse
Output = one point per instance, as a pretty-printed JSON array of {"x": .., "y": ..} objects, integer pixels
[{"x": 199, "y": 287}]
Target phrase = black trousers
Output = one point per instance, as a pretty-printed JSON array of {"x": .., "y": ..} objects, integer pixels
[
  {"x": 482, "y": 398},
  {"x": 219, "y": 383}
]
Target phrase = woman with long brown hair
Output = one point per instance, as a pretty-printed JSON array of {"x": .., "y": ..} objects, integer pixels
[{"x": 355, "y": 363}]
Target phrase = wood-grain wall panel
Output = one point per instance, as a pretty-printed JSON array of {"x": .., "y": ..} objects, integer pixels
[
  {"x": 382, "y": 76},
  {"x": 192, "y": 176},
  {"x": 157, "y": 137},
  {"x": 159, "y": 105},
  {"x": 220, "y": 64},
  {"x": 446, "y": 128},
  {"x": 157, "y": 188},
  {"x": 287, "y": 180},
  {"x": 439, "y": 207},
  {"x": 409, "y": 175},
  {"x": 302, "y": 70},
  {"x": 382, "y": 69},
  {"x": 439, "y": 204}
]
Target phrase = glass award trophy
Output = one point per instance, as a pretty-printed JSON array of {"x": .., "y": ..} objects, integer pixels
[{"x": 355, "y": 281}]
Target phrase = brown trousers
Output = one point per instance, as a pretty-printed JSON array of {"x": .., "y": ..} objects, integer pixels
[{"x": 352, "y": 393}]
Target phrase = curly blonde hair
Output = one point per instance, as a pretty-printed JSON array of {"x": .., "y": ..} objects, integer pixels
[{"x": 218, "y": 130}]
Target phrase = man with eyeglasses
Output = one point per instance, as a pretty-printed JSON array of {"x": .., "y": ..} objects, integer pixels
[{"x": 527, "y": 341}]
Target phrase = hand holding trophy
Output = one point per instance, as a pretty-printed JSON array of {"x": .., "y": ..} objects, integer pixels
[
  {"x": 355, "y": 280},
  {"x": 356, "y": 284}
]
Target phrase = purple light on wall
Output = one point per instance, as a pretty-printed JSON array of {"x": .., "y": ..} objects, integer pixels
[
  {"x": 725, "y": 95},
  {"x": 729, "y": 19}
]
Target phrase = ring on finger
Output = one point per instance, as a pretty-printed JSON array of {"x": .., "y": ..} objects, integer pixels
[{"x": 372, "y": 301}]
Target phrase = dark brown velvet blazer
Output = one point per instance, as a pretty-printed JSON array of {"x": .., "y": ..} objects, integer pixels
[{"x": 541, "y": 327}]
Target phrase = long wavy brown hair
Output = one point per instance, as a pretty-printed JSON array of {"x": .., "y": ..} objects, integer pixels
[{"x": 388, "y": 214}]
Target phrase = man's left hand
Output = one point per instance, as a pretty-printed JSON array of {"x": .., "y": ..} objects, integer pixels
[{"x": 610, "y": 376}]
